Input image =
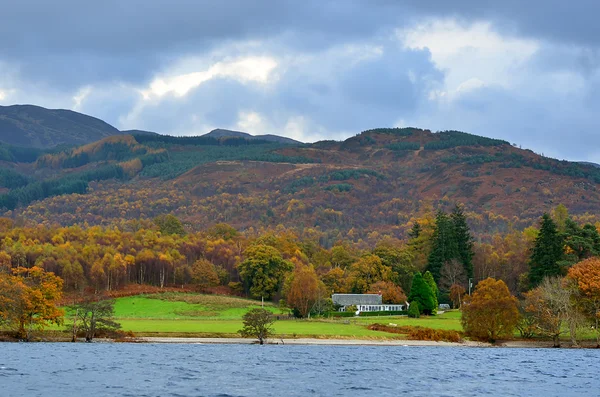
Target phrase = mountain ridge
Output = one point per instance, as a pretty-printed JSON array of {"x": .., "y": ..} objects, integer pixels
[
  {"x": 224, "y": 133},
  {"x": 35, "y": 126}
]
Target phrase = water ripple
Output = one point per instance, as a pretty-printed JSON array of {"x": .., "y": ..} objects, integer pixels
[{"x": 242, "y": 370}]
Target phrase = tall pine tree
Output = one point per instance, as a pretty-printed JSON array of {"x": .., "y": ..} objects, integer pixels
[
  {"x": 464, "y": 240},
  {"x": 547, "y": 253},
  {"x": 444, "y": 247}
]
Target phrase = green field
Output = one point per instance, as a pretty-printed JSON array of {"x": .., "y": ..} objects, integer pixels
[{"x": 195, "y": 314}]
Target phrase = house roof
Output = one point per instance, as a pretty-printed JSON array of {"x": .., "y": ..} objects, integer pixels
[{"x": 356, "y": 299}]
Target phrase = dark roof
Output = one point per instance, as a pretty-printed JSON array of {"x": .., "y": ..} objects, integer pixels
[{"x": 356, "y": 299}]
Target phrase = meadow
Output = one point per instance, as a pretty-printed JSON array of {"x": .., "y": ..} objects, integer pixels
[{"x": 179, "y": 314}]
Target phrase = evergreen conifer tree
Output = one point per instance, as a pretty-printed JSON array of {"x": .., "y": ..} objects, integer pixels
[
  {"x": 444, "y": 247},
  {"x": 421, "y": 293},
  {"x": 464, "y": 240},
  {"x": 413, "y": 310},
  {"x": 428, "y": 277},
  {"x": 415, "y": 231},
  {"x": 547, "y": 253}
]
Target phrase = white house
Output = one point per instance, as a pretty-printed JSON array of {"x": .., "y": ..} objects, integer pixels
[{"x": 364, "y": 303}]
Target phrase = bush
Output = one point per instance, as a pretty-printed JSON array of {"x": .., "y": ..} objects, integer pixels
[
  {"x": 413, "y": 310},
  {"x": 340, "y": 314},
  {"x": 419, "y": 333},
  {"x": 384, "y": 313}
]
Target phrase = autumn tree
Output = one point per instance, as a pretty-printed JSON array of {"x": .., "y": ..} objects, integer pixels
[
  {"x": 36, "y": 296},
  {"x": 547, "y": 253},
  {"x": 390, "y": 292},
  {"x": 421, "y": 293},
  {"x": 305, "y": 290},
  {"x": 335, "y": 280},
  {"x": 204, "y": 274},
  {"x": 457, "y": 292},
  {"x": 554, "y": 303},
  {"x": 586, "y": 275},
  {"x": 258, "y": 323},
  {"x": 366, "y": 271},
  {"x": 491, "y": 312},
  {"x": 398, "y": 257},
  {"x": 263, "y": 270}
]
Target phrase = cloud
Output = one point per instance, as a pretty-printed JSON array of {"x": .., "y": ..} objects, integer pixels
[{"x": 316, "y": 69}]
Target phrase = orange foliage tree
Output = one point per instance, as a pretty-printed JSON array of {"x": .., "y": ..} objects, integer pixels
[
  {"x": 32, "y": 304},
  {"x": 305, "y": 290},
  {"x": 586, "y": 274},
  {"x": 390, "y": 292},
  {"x": 491, "y": 312},
  {"x": 456, "y": 293}
]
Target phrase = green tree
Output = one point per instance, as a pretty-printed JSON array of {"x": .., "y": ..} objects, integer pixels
[
  {"x": 445, "y": 247},
  {"x": 464, "y": 240},
  {"x": 421, "y": 293},
  {"x": 415, "y": 231},
  {"x": 263, "y": 270},
  {"x": 428, "y": 277},
  {"x": 413, "y": 310},
  {"x": 169, "y": 224},
  {"x": 258, "y": 323},
  {"x": 547, "y": 253},
  {"x": 94, "y": 315}
]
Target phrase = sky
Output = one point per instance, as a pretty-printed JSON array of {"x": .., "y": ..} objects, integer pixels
[{"x": 524, "y": 71}]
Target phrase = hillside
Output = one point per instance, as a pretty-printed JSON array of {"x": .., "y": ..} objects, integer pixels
[
  {"x": 221, "y": 133},
  {"x": 370, "y": 185},
  {"x": 34, "y": 126}
]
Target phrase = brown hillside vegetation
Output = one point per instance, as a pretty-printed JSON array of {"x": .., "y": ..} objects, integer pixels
[{"x": 370, "y": 185}]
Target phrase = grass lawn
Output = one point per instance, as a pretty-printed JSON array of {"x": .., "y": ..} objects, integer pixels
[
  {"x": 180, "y": 313},
  {"x": 447, "y": 321},
  {"x": 291, "y": 328},
  {"x": 185, "y": 306}
]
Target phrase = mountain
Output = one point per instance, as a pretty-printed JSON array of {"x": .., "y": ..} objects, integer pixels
[
  {"x": 372, "y": 184},
  {"x": 34, "y": 126},
  {"x": 221, "y": 133}
]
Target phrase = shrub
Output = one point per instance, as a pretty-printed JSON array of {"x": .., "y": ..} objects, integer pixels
[
  {"x": 384, "y": 313},
  {"x": 413, "y": 310},
  {"x": 419, "y": 333}
]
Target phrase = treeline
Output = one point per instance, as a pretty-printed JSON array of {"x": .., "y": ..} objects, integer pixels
[
  {"x": 25, "y": 194},
  {"x": 516, "y": 160},
  {"x": 450, "y": 139},
  {"x": 183, "y": 161},
  {"x": 407, "y": 131},
  {"x": 115, "y": 148},
  {"x": 17, "y": 154},
  {"x": 12, "y": 179},
  {"x": 199, "y": 140}
]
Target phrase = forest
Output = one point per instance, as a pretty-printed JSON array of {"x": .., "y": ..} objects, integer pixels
[
  {"x": 438, "y": 261},
  {"x": 416, "y": 216}
]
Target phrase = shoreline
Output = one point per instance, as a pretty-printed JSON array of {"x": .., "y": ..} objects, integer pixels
[{"x": 341, "y": 342}]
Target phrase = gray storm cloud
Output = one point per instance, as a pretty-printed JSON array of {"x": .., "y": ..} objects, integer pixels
[{"x": 528, "y": 72}]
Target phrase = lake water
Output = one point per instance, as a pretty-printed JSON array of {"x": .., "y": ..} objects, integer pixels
[{"x": 55, "y": 369}]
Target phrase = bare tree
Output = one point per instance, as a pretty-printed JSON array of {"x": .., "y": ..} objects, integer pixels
[
  {"x": 553, "y": 304},
  {"x": 453, "y": 272}
]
